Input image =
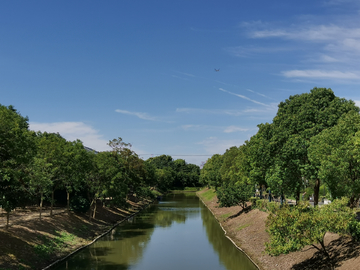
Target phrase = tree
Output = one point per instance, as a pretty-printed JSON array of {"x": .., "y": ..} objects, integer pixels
[
  {"x": 17, "y": 148},
  {"x": 47, "y": 166},
  {"x": 162, "y": 161},
  {"x": 236, "y": 188},
  {"x": 75, "y": 167},
  {"x": 292, "y": 228},
  {"x": 228, "y": 160},
  {"x": 298, "y": 119},
  {"x": 260, "y": 154},
  {"x": 238, "y": 193},
  {"x": 335, "y": 152},
  {"x": 210, "y": 174}
]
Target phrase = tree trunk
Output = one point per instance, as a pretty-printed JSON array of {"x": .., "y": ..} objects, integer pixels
[
  {"x": 41, "y": 203},
  {"x": 316, "y": 192},
  {"x": 52, "y": 203},
  {"x": 94, "y": 211},
  {"x": 7, "y": 219},
  {"x": 68, "y": 201},
  {"x": 354, "y": 201},
  {"x": 297, "y": 197}
]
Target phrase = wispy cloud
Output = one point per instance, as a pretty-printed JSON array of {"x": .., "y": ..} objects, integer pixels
[
  {"x": 242, "y": 51},
  {"x": 336, "y": 43},
  {"x": 252, "y": 91},
  {"x": 232, "y": 129},
  {"x": 140, "y": 115},
  {"x": 320, "y": 74},
  {"x": 266, "y": 110},
  {"x": 229, "y": 129},
  {"x": 74, "y": 130},
  {"x": 243, "y": 97},
  {"x": 318, "y": 33}
]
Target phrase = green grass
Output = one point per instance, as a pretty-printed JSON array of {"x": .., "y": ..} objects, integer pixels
[
  {"x": 50, "y": 245},
  {"x": 243, "y": 227},
  {"x": 225, "y": 216},
  {"x": 208, "y": 195},
  {"x": 156, "y": 193}
]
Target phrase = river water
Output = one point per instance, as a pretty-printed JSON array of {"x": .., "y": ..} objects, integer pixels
[{"x": 177, "y": 233}]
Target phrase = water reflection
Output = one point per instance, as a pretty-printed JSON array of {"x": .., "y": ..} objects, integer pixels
[{"x": 177, "y": 233}]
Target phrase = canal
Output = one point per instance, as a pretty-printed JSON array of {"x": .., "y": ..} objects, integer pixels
[{"x": 177, "y": 233}]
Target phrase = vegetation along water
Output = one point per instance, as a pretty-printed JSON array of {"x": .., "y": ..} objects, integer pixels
[{"x": 177, "y": 233}]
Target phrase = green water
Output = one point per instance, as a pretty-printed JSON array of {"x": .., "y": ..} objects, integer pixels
[{"x": 177, "y": 233}]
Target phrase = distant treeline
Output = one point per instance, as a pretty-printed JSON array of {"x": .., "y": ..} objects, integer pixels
[{"x": 35, "y": 166}]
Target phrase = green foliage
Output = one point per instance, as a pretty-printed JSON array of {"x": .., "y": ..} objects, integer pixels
[
  {"x": 210, "y": 174},
  {"x": 234, "y": 194},
  {"x": 292, "y": 228},
  {"x": 174, "y": 174},
  {"x": 79, "y": 203},
  {"x": 253, "y": 201},
  {"x": 354, "y": 228},
  {"x": 336, "y": 153},
  {"x": 266, "y": 206},
  {"x": 16, "y": 151},
  {"x": 53, "y": 245}
]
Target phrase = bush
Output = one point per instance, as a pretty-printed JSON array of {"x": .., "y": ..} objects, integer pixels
[
  {"x": 354, "y": 228},
  {"x": 272, "y": 207},
  {"x": 292, "y": 228},
  {"x": 253, "y": 201}
]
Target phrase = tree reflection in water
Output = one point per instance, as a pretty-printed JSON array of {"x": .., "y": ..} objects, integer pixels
[{"x": 167, "y": 235}]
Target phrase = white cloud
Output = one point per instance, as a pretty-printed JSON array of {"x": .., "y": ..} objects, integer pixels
[
  {"x": 328, "y": 59},
  {"x": 210, "y": 111},
  {"x": 74, "y": 130},
  {"x": 231, "y": 129},
  {"x": 318, "y": 33},
  {"x": 252, "y": 91},
  {"x": 141, "y": 115},
  {"x": 241, "y": 51},
  {"x": 243, "y": 97},
  {"x": 269, "y": 109},
  {"x": 357, "y": 102},
  {"x": 322, "y": 74}
]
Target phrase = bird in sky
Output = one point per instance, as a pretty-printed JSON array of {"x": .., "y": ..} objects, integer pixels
[{"x": 217, "y": 69}]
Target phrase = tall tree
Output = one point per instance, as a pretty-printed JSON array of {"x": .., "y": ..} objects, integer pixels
[
  {"x": 335, "y": 151},
  {"x": 210, "y": 174},
  {"x": 237, "y": 188},
  {"x": 298, "y": 119},
  {"x": 17, "y": 148},
  {"x": 76, "y": 165},
  {"x": 47, "y": 167}
]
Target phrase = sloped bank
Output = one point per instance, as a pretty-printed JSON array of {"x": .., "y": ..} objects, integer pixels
[
  {"x": 36, "y": 244},
  {"x": 248, "y": 232}
]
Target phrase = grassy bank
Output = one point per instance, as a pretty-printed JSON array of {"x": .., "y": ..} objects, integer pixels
[
  {"x": 248, "y": 231},
  {"x": 34, "y": 244}
]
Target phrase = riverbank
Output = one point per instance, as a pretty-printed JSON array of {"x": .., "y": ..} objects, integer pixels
[
  {"x": 33, "y": 244},
  {"x": 248, "y": 231}
]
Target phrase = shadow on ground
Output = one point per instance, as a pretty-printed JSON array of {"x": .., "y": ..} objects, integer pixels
[{"x": 340, "y": 250}]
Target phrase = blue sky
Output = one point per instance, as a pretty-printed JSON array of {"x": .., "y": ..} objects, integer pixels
[{"x": 145, "y": 70}]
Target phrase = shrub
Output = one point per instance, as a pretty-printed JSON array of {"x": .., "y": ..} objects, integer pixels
[{"x": 354, "y": 228}]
